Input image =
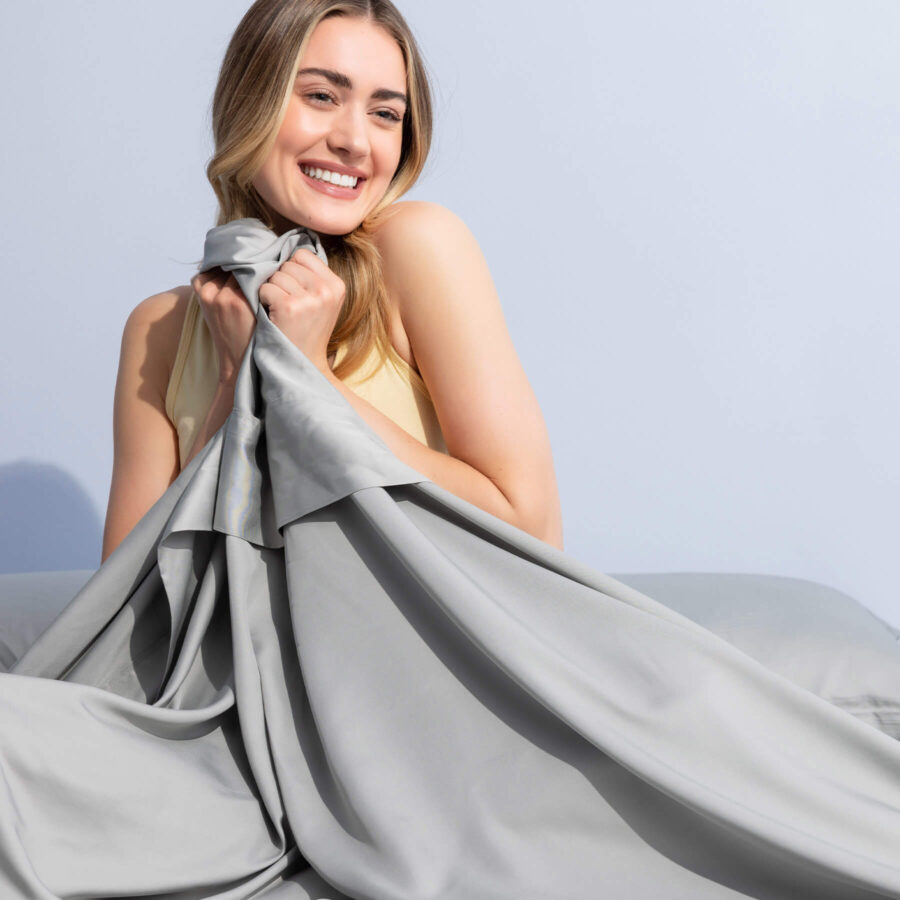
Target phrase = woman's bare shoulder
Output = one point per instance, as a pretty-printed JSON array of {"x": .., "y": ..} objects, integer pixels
[
  {"x": 405, "y": 218},
  {"x": 414, "y": 231},
  {"x": 391, "y": 237},
  {"x": 413, "y": 235},
  {"x": 155, "y": 324}
]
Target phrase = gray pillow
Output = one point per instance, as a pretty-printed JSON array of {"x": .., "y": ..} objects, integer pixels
[{"x": 816, "y": 636}]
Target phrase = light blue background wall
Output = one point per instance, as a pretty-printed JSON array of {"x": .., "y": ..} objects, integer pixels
[{"x": 691, "y": 212}]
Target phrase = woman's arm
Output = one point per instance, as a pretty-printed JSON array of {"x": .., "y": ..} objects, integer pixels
[
  {"x": 500, "y": 457},
  {"x": 145, "y": 442}
]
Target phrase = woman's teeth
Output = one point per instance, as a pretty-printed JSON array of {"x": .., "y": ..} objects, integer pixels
[{"x": 330, "y": 177}]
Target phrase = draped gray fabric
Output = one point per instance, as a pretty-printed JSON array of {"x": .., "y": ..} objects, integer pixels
[{"x": 310, "y": 672}]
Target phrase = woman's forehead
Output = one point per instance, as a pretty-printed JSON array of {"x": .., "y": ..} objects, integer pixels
[{"x": 358, "y": 49}]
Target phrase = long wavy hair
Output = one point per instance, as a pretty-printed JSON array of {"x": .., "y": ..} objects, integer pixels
[{"x": 254, "y": 87}]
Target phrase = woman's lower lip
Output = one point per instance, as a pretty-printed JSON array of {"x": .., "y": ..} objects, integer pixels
[{"x": 334, "y": 190}]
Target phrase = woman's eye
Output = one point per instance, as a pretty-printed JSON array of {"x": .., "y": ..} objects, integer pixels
[{"x": 387, "y": 114}]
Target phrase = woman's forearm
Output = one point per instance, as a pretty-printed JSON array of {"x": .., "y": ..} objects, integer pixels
[
  {"x": 219, "y": 410},
  {"x": 450, "y": 473}
]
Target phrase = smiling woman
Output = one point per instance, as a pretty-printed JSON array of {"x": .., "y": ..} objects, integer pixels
[
  {"x": 326, "y": 131},
  {"x": 339, "y": 125},
  {"x": 335, "y": 650}
]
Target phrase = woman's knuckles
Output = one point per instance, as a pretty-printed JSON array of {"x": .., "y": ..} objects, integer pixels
[{"x": 224, "y": 300}]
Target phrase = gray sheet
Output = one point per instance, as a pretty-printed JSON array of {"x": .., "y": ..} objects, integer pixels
[{"x": 309, "y": 672}]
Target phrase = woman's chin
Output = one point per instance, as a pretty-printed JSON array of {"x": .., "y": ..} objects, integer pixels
[{"x": 321, "y": 224}]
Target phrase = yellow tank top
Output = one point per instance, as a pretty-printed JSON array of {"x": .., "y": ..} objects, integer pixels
[{"x": 397, "y": 391}]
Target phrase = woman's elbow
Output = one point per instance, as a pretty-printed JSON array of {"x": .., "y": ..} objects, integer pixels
[
  {"x": 540, "y": 515},
  {"x": 549, "y": 529}
]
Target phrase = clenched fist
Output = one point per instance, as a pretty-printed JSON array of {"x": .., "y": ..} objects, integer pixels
[
  {"x": 303, "y": 299},
  {"x": 228, "y": 316}
]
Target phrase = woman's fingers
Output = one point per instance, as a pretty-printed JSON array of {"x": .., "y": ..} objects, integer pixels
[
  {"x": 208, "y": 284},
  {"x": 218, "y": 287},
  {"x": 270, "y": 292},
  {"x": 305, "y": 257},
  {"x": 231, "y": 291},
  {"x": 309, "y": 271}
]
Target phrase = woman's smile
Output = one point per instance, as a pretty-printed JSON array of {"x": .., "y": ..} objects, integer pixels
[{"x": 312, "y": 176}]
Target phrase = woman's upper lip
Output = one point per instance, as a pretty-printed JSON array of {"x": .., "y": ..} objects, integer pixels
[{"x": 333, "y": 167}]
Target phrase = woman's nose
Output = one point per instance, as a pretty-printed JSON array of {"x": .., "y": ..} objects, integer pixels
[{"x": 348, "y": 132}]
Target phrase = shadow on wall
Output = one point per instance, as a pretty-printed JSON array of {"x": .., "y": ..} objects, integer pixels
[{"x": 47, "y": 521}]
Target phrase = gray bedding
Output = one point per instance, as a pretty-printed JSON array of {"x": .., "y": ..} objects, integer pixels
[{"x": 310, "y": 672}]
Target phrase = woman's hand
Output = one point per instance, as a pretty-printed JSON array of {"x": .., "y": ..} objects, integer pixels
[
  {"x": 229, "y": 317},
  {"x": 304, "y": 298}
]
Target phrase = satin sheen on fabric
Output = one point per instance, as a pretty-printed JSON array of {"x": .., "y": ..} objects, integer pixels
[{"x": 310, "y": 672}]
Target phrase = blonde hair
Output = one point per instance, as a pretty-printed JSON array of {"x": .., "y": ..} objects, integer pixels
[{"x": 254, "y": 87}]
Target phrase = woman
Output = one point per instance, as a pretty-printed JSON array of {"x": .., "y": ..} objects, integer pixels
[
  {"x": 323, "y": 658},
  {"x": 406, "y": 276}
]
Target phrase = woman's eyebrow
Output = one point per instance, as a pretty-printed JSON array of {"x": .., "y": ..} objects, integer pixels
[{"x": 339, "y": 79}]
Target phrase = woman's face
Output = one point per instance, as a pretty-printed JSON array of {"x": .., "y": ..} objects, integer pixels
[{"x": 348, "y": 118}]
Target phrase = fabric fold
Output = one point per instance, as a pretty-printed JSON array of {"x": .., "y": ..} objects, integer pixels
[{"x": 311, "y": 672}]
